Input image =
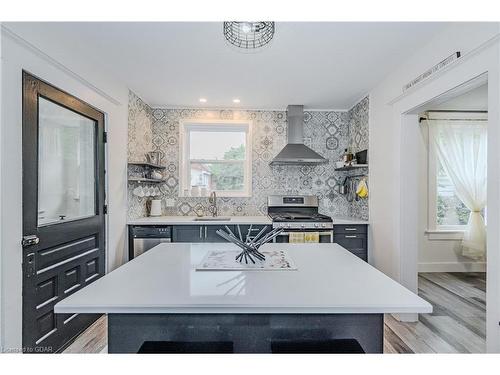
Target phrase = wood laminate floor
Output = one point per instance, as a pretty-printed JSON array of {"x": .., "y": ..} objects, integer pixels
[{"x": 457, "y": 325}]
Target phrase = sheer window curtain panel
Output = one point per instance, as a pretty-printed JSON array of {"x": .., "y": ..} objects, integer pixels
[{"x": 461, "y": 150}]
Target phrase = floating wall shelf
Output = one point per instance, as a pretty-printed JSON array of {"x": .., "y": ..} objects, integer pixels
[
  {"x": 142, "y": 180},
  {"x": 352, "y": 167},
  {"x": 145, "y": 164}
]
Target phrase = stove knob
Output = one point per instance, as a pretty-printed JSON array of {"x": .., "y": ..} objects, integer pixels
[
  {"x": 323, "y": 225},
  {"x": 302, "y": 225},
  {"x": 288, "y": 225},
  {"x": 316, "y": 225}
]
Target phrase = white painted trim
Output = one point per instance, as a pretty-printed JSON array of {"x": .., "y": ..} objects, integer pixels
[
  {"x": 452, "y": 267},
  {"x": 2, "y": 314},
  {"x": 247, "y": 125},
  {"x": 448, "y": 67},
  {"x": 456, "y": 235},
  {"x": 472, "y": 66},
  {"x": 408, "y": 318},
  {"x": 23, "y": 42}
]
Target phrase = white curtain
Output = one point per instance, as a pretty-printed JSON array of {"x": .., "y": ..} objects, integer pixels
[{"x": 461, "y": 149}]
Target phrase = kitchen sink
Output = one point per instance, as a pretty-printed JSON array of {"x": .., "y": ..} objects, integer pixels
[{"x": 212, "y": 218}]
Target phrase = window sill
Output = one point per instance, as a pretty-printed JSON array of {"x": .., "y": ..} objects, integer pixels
[{"x": 437, "y": 235}]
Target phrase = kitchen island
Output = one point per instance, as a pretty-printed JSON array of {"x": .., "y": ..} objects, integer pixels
[{"x": 160, "y": 298}]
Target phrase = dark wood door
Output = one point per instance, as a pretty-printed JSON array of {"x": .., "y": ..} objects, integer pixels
[{"x": 63, "y": 210}]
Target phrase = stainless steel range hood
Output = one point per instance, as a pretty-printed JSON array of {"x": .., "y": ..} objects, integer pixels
[{"x": 296, "y": 152}]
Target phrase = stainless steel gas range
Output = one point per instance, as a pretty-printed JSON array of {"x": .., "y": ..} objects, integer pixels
[{"x": 299, "y": 213}]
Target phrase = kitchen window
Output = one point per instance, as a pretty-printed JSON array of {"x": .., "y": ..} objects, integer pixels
[{"x": 215, "y": 156}]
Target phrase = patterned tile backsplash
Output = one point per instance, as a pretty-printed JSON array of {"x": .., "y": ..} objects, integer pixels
[{"x": 326, "y": 132}]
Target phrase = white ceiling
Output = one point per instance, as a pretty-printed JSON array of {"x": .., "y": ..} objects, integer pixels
[{"x": 320, "y": 65}]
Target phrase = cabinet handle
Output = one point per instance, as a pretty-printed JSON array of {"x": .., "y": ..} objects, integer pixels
[
  {"x": 351, "y": 229},
  {"x": 205, "y": 231},
  {"x": 201, "y": 228},
  {"x": 351, "y": 236}
]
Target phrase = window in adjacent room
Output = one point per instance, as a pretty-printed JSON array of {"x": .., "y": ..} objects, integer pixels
[
  {"x": 446, "y": 209},
  {"x": 215, "y": 156}
]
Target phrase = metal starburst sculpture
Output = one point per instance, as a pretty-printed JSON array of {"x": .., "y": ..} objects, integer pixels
[{"x": 251, "y": 244}]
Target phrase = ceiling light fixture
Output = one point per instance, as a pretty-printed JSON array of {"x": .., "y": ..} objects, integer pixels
[
  {"x": 203, "y": 100},
  {"x": 248, "y": 35},
  {"x": 236, "y": 100}
]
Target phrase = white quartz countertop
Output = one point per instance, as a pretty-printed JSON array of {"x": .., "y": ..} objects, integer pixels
[
  {"x": 329, "y": 279},
  {"x": 189, "y": 220}
]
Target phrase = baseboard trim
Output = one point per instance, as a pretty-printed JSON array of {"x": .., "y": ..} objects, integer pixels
[
  {"x": 409, "y": 317},
  {"x": 452, "y": 267}
]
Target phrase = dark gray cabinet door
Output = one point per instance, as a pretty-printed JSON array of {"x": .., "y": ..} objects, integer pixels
[
  {"x": 351, "y": 229},
  {"x": 211, "y": 235},
  {"x": 198, "y": 233},
  {"x": 353, "y": 238},
  {"x": 255, "y": 230},
  {"x": 355, "y": 243},
  {"x": 188, "y": 233}
]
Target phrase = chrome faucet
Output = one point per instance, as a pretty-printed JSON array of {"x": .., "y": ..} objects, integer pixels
[{"x": 212, "y": 208}]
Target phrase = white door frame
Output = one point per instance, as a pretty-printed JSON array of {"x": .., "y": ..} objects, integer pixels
[{"x": 481, "y": 61}]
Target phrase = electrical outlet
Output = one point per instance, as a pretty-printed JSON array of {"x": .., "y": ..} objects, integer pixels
[{"x": 170, "y": 202}]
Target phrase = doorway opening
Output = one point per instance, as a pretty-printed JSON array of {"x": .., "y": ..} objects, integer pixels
[{"x": 451, "y": 179}]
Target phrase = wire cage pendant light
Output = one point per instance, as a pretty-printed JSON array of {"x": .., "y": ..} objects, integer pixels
[{"x": 248, "y": 35}]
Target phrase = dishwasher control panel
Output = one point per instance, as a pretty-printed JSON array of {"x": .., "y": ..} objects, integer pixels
[{"x": 152, "y": 231}]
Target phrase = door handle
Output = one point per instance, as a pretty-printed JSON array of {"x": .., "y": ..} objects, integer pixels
[
  {"x": 30, "y": 240},
  {"x": 205, "y": 231},
  {"x": 351, "y": 229},
  {"x": 201, "y": 229},
  {"x": 351, "y": 236}
]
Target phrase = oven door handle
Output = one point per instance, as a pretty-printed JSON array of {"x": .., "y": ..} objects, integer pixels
[{"x": 320, "y": 233}]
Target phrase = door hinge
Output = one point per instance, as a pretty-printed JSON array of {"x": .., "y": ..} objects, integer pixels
[
  {"x": 105, "y": 209},
  {"x": 105, "y": 137}
]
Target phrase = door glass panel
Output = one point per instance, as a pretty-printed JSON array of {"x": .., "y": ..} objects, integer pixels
[{"x": 66, "y": 164}]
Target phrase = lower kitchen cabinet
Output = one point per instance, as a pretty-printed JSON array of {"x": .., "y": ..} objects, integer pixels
[
  {"x": 256, "y": 228},
  {"x": 353, "y": 238},
  {"x": 198, "y": 233},
  {"x": 210, "y": 232},
  {"x": 188, "y": 233}
]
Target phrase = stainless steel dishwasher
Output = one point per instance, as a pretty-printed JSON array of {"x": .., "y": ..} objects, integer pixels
[{"x": 144, "y": 237}]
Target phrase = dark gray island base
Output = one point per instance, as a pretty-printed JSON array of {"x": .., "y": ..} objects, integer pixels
[{"x": 245, "y": 333}]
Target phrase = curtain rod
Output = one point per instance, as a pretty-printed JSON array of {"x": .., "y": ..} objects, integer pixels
[
  {"x": 454, "y": 111},
  {"x": 451, "y": 119}
]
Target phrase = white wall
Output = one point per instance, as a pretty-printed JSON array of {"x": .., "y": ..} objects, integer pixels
[
  {"x": 384, "y": 137},
  {"x": 89, "y": 85},
  {"x": 389, "y": 209}
]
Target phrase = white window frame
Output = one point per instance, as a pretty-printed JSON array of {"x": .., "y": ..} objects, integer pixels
[{"x": 214, "y": 125}]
